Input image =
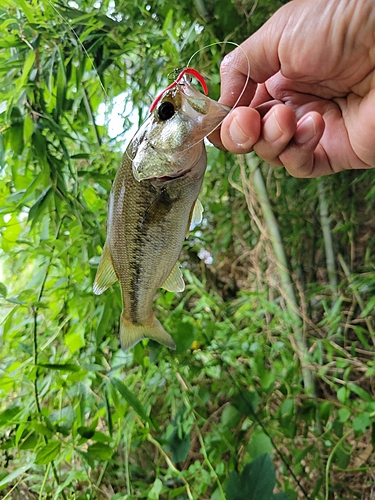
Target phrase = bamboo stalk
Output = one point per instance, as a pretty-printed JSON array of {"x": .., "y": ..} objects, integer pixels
[{"x": 259, "y": 188}]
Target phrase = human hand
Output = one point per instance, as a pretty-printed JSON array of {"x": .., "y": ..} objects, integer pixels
[{"x": 310, "y": 103}]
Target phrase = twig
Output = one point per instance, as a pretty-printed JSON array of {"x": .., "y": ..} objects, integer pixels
[
  {"x": 91, "y": 115},
  {"x": 329, "y": 461},
  {"x": 327, "y": 237},
  {"x": 356, "y": 295},
  {"x": 170, "y": 464},
  {"x": 44, "y": 482}
]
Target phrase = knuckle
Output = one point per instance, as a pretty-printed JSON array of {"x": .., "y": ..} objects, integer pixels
[{"x": 226, "y": 65}]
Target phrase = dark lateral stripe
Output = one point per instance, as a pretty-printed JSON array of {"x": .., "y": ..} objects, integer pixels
[
  {"x": 135, "y": 283},
  {"x": 144, "y": 190}
]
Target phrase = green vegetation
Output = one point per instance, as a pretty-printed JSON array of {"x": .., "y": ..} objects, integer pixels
[{"x": 270, "y": 394}]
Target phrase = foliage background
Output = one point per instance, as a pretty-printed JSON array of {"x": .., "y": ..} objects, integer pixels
[{"x": 274, "y": 331}]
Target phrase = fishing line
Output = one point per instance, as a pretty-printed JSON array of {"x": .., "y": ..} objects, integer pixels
[
  {"x": 248, "y": 69},
  {"x": 241, "y": 93},
  {"x": 81, "y": 45},
  {"x": 176, "y": 81}
]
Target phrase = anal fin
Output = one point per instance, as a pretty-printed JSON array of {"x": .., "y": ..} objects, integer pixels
[
  {"x": 105, "y": 275},
  {"x": 175, "y": 281}
]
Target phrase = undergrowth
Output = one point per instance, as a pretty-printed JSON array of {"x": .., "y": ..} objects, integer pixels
[{"x": 270, "y": 393}]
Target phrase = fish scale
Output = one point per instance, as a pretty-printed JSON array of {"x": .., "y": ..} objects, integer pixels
[{"x": 151, "y": 206}]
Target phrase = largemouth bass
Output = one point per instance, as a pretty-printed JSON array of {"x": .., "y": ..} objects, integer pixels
[{"x": 152, "y": 203}]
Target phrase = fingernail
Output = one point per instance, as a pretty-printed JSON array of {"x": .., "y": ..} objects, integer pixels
[
  {"x": 236, "y": 133},
  {"x": 305, "y": 131},
  {"x": 272, "y": 130}
]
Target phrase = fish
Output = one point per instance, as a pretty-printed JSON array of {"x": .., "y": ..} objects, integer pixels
[{"x": 153, "y": 201}]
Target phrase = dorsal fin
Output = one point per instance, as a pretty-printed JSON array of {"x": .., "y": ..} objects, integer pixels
[{"x": 196, "y": 215}]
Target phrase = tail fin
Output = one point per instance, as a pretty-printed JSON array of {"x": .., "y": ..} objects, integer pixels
[{"x": 131, "y": 334}]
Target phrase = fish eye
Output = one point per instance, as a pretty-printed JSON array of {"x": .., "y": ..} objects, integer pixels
[{"x": 166, "y": 110}]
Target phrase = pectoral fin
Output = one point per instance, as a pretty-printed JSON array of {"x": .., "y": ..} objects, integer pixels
[
  {"x": 175, "y": 281},
  {"x": 196, "y": 215},
  {"x": 105, "y": 275}
]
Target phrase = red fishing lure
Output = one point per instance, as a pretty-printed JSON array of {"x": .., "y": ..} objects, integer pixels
[{"x": 189, "y": 71}]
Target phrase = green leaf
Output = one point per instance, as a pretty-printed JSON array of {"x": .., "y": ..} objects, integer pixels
[
  {"x": 14, "y": 474},
  {"x": 75, "y": 340},
  {"x": 86, "y": 457},
  {"x": 11, "y": 233},
  {"x": 258, "y": 478},
  {"x": 177, "y": 492},
  {"x": 267, "y": 380},
  {"x": 108, "y": 412},
  {"x": 157, "y": 488},
  {"x": 8, "y": 415},
  {"x": 15, "y": 133},
  {"x": 28, "y": 12},
  {"x": 28, "y": 128},
  {"x": 30, "y": 442},
  {"x": 92, "y": 199},
  {"x": 100, "y": 451},
  {"x": 343, "y": 414},
  {"x": 131, "y": 399},
  {"x": 60, "y": 88},
  {"x": 179, "y": 445},
  {"x": 184, "y": 335},
  {"x": 259, "y": 444},
  {"x": 27, "y": 67},
  {"x": 246, "y": 402},
  {"x": 42, "y": 429},
  {"x": 342, "y": 456},
  {"x": 368, "y": 308},
  {"x": 256, "y": 482},
  {"x": 286, "y": 408},
  {"x": 3, "y": 290},
  {"x": 363, "y": 335},
  {"x": 79, "y": 156},
  {"x": 86, "y": 432},
  {"x": 48, "y": 453},
  {"x": 361, "y": 422},
  {"x": 64, "y": 367},
  {"x": 230, "y": 416},
  {"x": 342, "y": 394},
  {"x": 74, "y": 475},
  {"x": 360, "y": 392},
  {"x": 234, "y": 486},
  {"x": 41, "y": 204},
  {"x": 168, "y": 21}
]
